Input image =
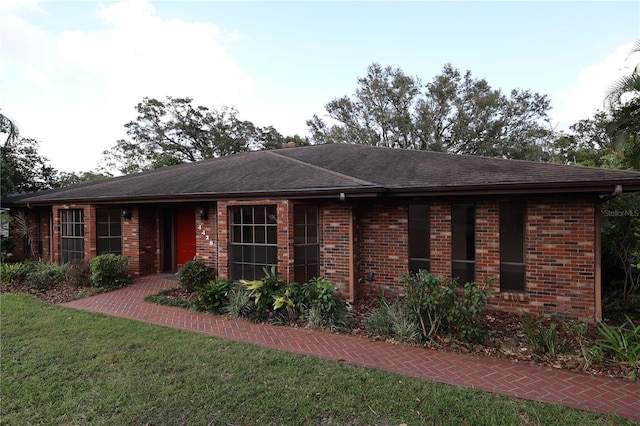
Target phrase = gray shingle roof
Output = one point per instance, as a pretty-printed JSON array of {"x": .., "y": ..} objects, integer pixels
[{"x": 324, "y": 170}]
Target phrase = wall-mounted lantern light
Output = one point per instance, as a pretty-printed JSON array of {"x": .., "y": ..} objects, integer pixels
[
  {"x": 203, "y": 213},
  {"x": 126, "y": 213}
]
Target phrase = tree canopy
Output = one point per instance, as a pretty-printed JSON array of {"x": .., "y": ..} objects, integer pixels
[
  {"x": 175, "y": 131},
  {"x": 455, "y": 113}
]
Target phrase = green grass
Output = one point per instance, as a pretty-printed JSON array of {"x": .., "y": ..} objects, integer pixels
[{"x": 66, "y": 367}]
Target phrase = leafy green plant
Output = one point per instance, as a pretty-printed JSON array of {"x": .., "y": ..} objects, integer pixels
[
  {"x": 45, "y": 275},
  {"x": 468, "y": 306},
  {"x": 78, "y": 273},
  {"x": 213, "y": 295},
  {"x": 286, "y": 301},
  {"x": 265, "y": 290},
  {"x": 440, "y": 307},
  {"x": 391, "y": 320},
  {"x": 623, "y": 343},
  {"x": 110, "y": 271},
  {"x": 543, "y": 336},
  {"x": 194, "y": 275},
  {"x": 12, "y": 273},
  {"x": 326, "y": 309},
  {"x": 239, "y": 303}
]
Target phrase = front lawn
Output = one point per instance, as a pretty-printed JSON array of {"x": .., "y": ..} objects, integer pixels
[{"x": 63, "y": 366}]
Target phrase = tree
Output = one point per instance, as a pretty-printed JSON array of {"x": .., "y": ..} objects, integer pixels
[
  {"x": 72, "y": 178},
  {"x": 176, "y": 131},
  {"x": 456, "y": 113},
  {"x": 8, "y": 127},
  {"x": 626, "y": 87},
  {"x": 190, "y": 133},
  {"x": 379, "y": 114},
  {"x": 23, "y": 168}
]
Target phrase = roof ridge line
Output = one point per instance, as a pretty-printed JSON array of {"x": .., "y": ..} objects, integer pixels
[{"x": 342, "y": 175}]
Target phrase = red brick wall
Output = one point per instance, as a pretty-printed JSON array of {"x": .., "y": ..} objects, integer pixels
[
  {"x": 440, "y": 213},
  {"x": 561, "y": 263},
  {"x": 207, "y": 238},
  {"x": 560, "y": 253},
  {"x": 384, "y": 246},
  {"x": 487, "y": 242},
  {"x": 336, "y": 247},
  {"x": 149, "y": 241}
]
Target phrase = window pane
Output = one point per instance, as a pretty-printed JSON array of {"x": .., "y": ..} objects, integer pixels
[
  {"x": 512, "y": 220},
  {"x": 260, "y": 235},
  {"x": 236, "y": 234},
  {"x": 419, "y": 231},
  {"x": 116, "y": 230},
  {"x": 312, "y": 234},
  {"x": 260, "y": 215},
  {"x": 464, "y": 272},
  {"x": 416, "y": 265},
  {"x": 512, "y": 247},
  {"x": 512, "y": 277},
  {"x": 272, "y": 255},
  {"x": 247, "y": 234},
  {"x": 272, "y": 235},
  {"x": 271, "y": 215},
  {"x": 299, "y": 232},
  {"x": 102, "y": 229},
  {"x": 463, "y": 232}
]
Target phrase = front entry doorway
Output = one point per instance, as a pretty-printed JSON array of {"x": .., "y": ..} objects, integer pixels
[{"x": 179, "y": 237}]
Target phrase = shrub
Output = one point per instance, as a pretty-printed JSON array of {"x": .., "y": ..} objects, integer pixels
[
  {"x": 213, "y": 295},
  {"x": 265, "y": 290},
  {"x": 45, "y": 275},
  {"x": 109, "y": 271},
  {"x": 326, "y": 309},
  {"x": 194, "y": 275},
  {"x": 13, "y": 273},
  {"x": 78, "y": 273},
  {"x": 391, "y": 320},
  {"x": 439, "y": 306},
  {"x": 239, "y": 303},
  {"x": 623, "y": 343}
]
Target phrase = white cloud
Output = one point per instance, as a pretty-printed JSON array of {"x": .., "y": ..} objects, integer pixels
[
  {"x": 587, "y": 96},
  {"x": 144, "y": 55},
  {"x": 88, "y": 82},
  {"x": 36, "y": 76}
]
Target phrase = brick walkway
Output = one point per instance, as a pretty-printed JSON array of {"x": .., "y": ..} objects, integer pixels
[{"x": 578, "y": 390}]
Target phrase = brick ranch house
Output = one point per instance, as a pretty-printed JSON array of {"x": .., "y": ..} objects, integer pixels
[{"x": 360, "y": 216}]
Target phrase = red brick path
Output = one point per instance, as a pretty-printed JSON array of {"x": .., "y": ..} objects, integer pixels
[{"x": 578, "y": 390}]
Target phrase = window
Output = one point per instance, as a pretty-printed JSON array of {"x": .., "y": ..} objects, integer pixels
[
  {"x": 463, "y": 242},
  {"x": 72, "y": 234},
  {"x": 306, "y": 245},
  {"x": 512, "y": 247},
  {"x": 419, "y": 239},
  {"x": 109, "y": 231},
  {"x": 253, "y": 242}
]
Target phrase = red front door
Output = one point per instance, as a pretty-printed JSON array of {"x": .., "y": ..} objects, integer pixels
[{"x": 185, "y": 236}]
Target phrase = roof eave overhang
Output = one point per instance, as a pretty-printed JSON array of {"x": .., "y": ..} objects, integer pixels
[
  {"x": 307, "y": 193},
  {"x": 586, "y": 188}
]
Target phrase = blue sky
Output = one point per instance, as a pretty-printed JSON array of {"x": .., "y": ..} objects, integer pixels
[{"x": 72, "y": 72}]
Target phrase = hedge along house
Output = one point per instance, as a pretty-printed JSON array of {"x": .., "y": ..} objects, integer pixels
[{"x": 360, "y": 216}]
